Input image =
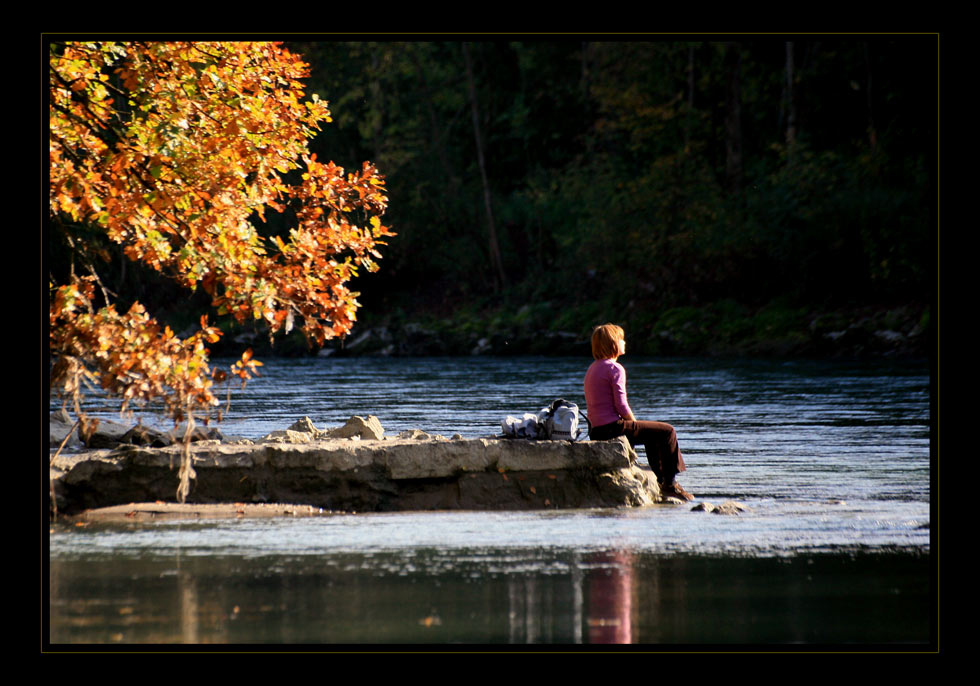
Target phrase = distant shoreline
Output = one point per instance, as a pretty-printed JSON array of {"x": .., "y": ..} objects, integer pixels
[{"x": 720, "y": 329}]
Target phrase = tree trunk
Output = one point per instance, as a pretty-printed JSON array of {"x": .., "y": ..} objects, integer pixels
[
  {"x": 690, "y": 98},
  {"x": 733, "y": 118},
  {"x": 790, "y": 101},
  {"x": 872, "y": 132},
  {"x": 496, "y": 263}
]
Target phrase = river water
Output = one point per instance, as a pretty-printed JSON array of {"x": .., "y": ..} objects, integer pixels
[{"x": 832, "y": 459}]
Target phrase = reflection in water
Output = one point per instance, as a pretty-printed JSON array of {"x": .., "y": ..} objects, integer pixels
[
  {"x": 525, "y": 618},
  {"x": 189, "y": 607},
  {"x": 610, "y": 598},
  {"x": 187, "y": 595},
  {"x": 507, "y": 596}
]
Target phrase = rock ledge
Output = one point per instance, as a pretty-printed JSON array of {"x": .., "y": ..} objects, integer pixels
[{"x": 360, "y": 469}]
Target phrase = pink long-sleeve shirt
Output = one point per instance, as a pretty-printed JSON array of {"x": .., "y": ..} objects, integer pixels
[{"x": 605, "y": 393}]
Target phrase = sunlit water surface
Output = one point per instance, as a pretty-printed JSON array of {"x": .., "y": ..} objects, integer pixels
[{"x": 831, "y": 458}]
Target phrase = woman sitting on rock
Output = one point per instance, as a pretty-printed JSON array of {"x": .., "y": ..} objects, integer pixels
[{"x": 610, "y": 414}]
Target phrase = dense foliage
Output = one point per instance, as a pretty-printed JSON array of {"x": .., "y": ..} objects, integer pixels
[
  {"x": 168, "y": 155},
  {"x": 666, "y": 173}
]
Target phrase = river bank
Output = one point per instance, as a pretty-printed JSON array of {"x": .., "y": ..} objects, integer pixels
[{"x": 720, "y": 329}]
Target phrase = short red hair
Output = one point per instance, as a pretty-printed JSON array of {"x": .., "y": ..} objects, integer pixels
[{"x": 605, "y": 341}]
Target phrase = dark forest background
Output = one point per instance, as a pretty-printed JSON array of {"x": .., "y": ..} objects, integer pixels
[{"x": 749, "y": 196}]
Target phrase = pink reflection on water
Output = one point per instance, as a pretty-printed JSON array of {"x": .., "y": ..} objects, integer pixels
[{"x": 610, "y": 591}]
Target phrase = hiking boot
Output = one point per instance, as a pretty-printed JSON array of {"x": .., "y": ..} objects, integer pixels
[{"x": 675, "y": 490}]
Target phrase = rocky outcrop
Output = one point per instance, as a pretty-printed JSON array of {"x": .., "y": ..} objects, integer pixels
[
  {"x": 729, "y": 507},
  {"x": 108, "y": 434},
  {"x": 357, "y": 468}
]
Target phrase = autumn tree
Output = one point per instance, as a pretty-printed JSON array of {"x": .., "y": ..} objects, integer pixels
[{"x": 174, "y": 152}]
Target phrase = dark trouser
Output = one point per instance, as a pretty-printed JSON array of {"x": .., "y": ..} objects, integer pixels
[{"x": 659, "y": 438}]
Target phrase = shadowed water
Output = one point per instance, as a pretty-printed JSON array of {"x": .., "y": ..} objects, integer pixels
[{"x": 832, "y": 459}]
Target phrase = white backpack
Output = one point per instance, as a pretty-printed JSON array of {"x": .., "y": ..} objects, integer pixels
[{"x": 561, "y": 423}]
